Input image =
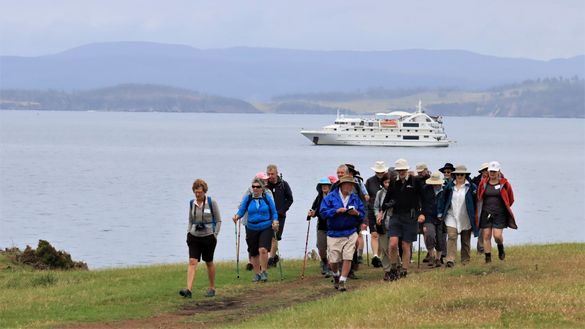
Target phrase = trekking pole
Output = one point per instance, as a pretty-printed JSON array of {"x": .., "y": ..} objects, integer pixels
[
  {"x": 367, "y": 249},
  {"x": 237, "y": 230},
  {"x": 279, "y": 258},
  {"x": 418, "y": 261},
  {"x": 306, "y": 246}
]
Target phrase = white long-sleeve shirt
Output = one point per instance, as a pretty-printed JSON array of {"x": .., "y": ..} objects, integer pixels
[{"x": 457, "y": 216}]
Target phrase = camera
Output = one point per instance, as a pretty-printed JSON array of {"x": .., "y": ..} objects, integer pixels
[{"x": 199, "y": 227}]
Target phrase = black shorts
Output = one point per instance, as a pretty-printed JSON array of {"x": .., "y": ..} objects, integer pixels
[
  {"x": 258, "y": 239},
  {"x": 494, "y": 221},
  {"x": 280, "y": 227},
  {"x": 403, "y": 226},
  {"x": 201, "y": 247}
]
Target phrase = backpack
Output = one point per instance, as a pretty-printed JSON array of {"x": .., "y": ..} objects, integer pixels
[
  {"x": 250, "y": 197},
  {"x": 210, "y": 209}
]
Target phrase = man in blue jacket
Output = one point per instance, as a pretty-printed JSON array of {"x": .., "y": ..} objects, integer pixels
[{"x": 344, "y": 211}]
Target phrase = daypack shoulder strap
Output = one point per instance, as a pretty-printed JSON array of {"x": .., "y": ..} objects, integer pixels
[
  {"x": 264, "y": 197},
  {"x": 212, "y": 214}
]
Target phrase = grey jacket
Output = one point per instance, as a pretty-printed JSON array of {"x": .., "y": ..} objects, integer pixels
[{"x": 203, "y": 216}]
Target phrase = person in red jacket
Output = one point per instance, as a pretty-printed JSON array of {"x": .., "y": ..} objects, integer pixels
[{"x": 494, "y": 213}]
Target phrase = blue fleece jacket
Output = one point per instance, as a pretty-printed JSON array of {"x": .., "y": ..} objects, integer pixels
[
  {"x": 341, "y": 225},
  {"x": 260, "y": 216}
]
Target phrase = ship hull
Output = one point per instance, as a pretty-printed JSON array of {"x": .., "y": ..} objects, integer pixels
[{"x": 328, "y": 138}]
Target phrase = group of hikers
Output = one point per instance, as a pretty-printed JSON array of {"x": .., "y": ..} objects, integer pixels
[{"x": 397, "y": 204}]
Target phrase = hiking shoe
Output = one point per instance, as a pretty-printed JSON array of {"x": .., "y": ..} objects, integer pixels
[
  {"x": 257, "y": 277},
  {"x": 393, "y": 275},
  {"x": 427, "y": 258},
  {"x": 488, "y": 257},
  {"x": 210, "y": 292},
  {"x": 328, "y": 274},
  {"x": 437, "y": 263},
  {"x": 186, "y": 293},
  {"x": 403, "y": 274},
  {"x": 249, "y": 267},
  {"x": 352, "y": 275},
  {"x": 342, "y": 286},
  {"x": 376, "y": 262},
  {"x": 386, "y": 276},
  {"x": 323, "y": 268},
  {"x": 450, "y": 264},
  {"x": 335, "y": 282},
  {"x": 360, "y": 259},
  {"x": 264, "y": 276}
]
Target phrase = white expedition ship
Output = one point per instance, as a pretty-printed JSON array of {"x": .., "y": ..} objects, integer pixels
[{"x": 396, "y": 128}]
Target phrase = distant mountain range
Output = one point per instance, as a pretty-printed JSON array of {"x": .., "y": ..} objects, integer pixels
[{"x": 261, "y": 73}]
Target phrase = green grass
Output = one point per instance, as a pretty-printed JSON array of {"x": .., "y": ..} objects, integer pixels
[{"x": 537, "y": 286}]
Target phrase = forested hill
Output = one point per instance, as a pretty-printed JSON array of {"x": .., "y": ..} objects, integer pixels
[
  {"x": 129, "y": 97},
  {"x": 550, "y": 97}
]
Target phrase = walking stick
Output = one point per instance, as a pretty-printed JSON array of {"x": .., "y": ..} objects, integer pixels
[
  {"x": 306, "y": 246},
  {"x": 279, "y": 258},
  {"x": 367, "y": 249},
  {"x": 237, "y": 231},
  {"x": 418, "y": 261}
]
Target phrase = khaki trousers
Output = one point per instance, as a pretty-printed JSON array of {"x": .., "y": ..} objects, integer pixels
[{"x": 452, "y": 245}]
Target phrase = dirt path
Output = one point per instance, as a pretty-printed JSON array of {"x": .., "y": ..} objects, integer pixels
[{"x": 221, "y": 311}]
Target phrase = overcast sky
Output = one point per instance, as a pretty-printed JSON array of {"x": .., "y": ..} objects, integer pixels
[{"x": 538, "y": 29}]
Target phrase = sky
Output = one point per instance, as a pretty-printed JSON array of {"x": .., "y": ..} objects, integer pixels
[{"x": 537, "y": 29}]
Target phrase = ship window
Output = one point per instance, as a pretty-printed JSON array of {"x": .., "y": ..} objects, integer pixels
[
  {"x": 410, "y": 137},
  {"x": 335, "y": 129},
  {"x": 397, "y": 135},
  {"x": 426, "y": 136},
  {"x": 386, "y": 136},
  {"x": 371, "y": 124},
  {"x": 407, "y": 130},
  {"x": 353, "y": 123},
  {"x": 371, "y": 129},
  {"x": 408, "y": 124}
]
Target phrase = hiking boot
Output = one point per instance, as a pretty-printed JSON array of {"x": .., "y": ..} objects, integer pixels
[
  {"x": 323, "y": 268},
  {"x": 393, "y": 275},
  {"x": 376, "y": 262},
  {"x": 352, "y": 275},
  {"x": 450, "y": 264},
  {"x": 427, "y": 258},
  {"x": 342, "y": 286},
  {"x": 360, "y": 259},
  {"x": 501, "y": 252},
  {"x": 386, "y": 276},
  {"x": 249, "y": 267},
  {"x": 210, "y": 292},
  {"x": 403, "y": 274},
  {"x": 328, "y": 274},
  {"x": 264, "y": 276},
  {"x": 186, "y": 293},
  {"x": 336, "y": 282},
  {"x": 437, "y": 263},
  {"x": 488, "y": 257},
  {"x": 257, "y": 277}
]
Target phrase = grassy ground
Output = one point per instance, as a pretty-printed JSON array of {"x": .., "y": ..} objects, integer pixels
[{"x": 537, "y": 286}]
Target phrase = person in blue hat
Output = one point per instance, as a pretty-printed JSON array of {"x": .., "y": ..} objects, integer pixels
[{"x": 323, "y": 188}]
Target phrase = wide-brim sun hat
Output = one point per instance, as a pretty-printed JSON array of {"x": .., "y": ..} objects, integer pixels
[
  {"x": 435, "y": 179},
  {"x": 447, "y": 165},
  {"x": 461, "y": 169},
  {"x": 379, "y": 166},
  {"x": 421, "y": 166},
  {"x": 346, "y": 179},
  {"x": 494, "y": 166},
  {"x": 401, "y": 164},
  {"x": 324, "y": 181},
  {"x": 483, "y": 166}
]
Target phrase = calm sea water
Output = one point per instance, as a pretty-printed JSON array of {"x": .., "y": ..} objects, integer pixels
[{"x": 113, "y": 188}]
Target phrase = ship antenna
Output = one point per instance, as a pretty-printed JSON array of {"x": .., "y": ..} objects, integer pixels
[{"x": 419, "y": 107}]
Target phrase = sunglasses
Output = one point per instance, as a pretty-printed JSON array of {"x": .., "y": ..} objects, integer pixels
[
  {"x": 256, "y": 186},
  {"x": 459, "y": 174}
]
